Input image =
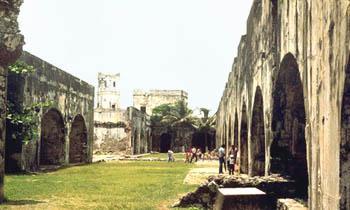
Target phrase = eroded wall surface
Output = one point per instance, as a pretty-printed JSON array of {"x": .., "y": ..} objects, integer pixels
[
  {"x": 139, "y": 131},
  {"x": 150, "y": 100},
  {"x": 296, "y": 53},
  {"x": 69, "y": 117}
]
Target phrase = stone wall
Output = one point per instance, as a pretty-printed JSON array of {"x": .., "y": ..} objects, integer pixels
[
  {"x": 150, "y": 100},
  {"x": 293, "y": 67},
  {"x": 139, "y": 131},
  {"x": 66, "y": 131},
  {"x": 11, "y": 42},
  {"x": 109, "y": 129},
  {"x": 127, "y": 132}
]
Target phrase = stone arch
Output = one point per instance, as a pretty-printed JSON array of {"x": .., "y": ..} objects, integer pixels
[
  {"x": 344, "y": 159},
  {"x": 244, "y": 141},
  {"x": 78, "y": 141},
  {"x": 258, "y": 135},
  {"x": 288, "y": 149},
  {"x": 165, "y": 142},
  {"x": 235, "y": 130},
  {"x": 52, "y": 143}
]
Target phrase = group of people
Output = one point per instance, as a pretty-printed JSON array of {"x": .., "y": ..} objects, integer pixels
[
  {"x": 231, "y": 159},
  {"x": 193, "y": 154}
]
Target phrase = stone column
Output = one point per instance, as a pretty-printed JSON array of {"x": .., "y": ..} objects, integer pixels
[{"x": 11, "y": 42}]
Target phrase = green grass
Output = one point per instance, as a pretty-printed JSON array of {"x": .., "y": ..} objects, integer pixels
[
  {"x": 119, "y": 185},
  {"x": 178, "y": 156}
]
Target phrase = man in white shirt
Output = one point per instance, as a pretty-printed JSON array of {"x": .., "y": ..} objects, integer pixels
[{"x": 221, "y": 158}]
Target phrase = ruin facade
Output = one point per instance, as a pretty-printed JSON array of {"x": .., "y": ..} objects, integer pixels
[
  {"x": 286, "y": 102},
  {"x": 118, "y": 130},
  {"x": 65, "y": 125},
  {"x": 148, "y": 100},
  {"x": 11, "y": 42}
]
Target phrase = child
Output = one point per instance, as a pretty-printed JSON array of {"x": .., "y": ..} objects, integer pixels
[{"x": 231, "y": 164}]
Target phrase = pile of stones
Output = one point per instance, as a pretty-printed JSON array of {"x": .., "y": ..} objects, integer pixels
[{"x": 205, "y": 195}]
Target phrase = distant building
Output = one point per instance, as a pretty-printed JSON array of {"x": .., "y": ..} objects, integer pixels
[
  {"x": 118, "y": 130},
  {"x": 108, "y": 93},
  {"x": 147, "y": 101}
]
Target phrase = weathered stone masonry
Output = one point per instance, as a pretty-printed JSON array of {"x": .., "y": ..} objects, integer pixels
[
  {"x": 66, "y": 131},
  {"x": 11, "y": 42},
  {"x": 288, "y": 97}
]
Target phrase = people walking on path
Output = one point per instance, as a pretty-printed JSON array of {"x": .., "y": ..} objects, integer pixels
[{"x": 222, "y": 158}]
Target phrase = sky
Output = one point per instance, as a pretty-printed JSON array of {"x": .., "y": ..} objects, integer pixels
[{"x": 153, "y": 44}]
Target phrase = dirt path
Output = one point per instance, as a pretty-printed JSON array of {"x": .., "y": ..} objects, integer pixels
[{"x": 201, "y": 172}]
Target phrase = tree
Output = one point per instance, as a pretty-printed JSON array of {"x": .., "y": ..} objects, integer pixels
[
  {"x": 174, "y": 116},
  {"x": 206, "y": 124},
  {"x": 179, "y": 115}
]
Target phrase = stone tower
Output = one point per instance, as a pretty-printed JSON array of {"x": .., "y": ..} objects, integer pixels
[{"x": 108, "y": 93}]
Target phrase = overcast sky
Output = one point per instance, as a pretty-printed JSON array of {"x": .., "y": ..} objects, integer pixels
[{"x": 153, "y": 44}]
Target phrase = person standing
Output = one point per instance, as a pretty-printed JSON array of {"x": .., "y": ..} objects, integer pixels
[
  {"x": 232, "y": 158},
  {"x": 171, "y": 156},
  {"x": 194, "y": 154},
  {"x": 222, "y": 158}
]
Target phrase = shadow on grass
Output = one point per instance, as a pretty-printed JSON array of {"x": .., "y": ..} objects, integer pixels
[{"x": 22, "y": 202}]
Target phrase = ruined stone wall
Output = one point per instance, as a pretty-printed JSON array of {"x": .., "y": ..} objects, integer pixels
[
  {"x": 66, "y": 131},
  {"x": 11, "y": 42},
  {"x": 109, "y": 129},
  {"x": 150, "y": 100},
  {"x": 296, "y": 54},
  {"x": 139, "y": 131}
]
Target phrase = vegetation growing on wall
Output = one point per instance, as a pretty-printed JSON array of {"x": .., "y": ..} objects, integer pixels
[{"x": 25, "y": 119}]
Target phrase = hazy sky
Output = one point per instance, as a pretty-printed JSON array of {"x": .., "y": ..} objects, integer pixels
[{"x": 153, "y": 44}]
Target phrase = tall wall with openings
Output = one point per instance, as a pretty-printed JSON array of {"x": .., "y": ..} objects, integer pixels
[
  {"x": 65, "y": 122},
  {"x": 288, "y": 89}
]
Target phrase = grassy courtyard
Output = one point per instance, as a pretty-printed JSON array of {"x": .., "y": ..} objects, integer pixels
[
  {"x": 177, "y": 156},
  {"x": 118, "y": 185}
]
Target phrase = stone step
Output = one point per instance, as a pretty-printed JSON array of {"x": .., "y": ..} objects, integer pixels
[{"x": 243, "y": 199}]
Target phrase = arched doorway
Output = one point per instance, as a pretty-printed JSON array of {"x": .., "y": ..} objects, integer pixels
[
  {"x": 165, "y": 142},
  {"x": 244, "y": 141},
  {"x": 345, "y": 144},
  {"x": 288, "y": 149},
  {"x": 52, "y": 146},
  {"x": 78, "y": 141},
  {"x": 199, "y": 140},
  {"x": 235, "y": 132},
  {"x": 258, "y": 136}
]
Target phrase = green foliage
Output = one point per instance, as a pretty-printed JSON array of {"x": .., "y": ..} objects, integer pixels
[
  {"x": 20, "y": 67},
  {"x": 206, "y": 123},
  {"x": 26, "y": 120},
  {"x": 171, "y": 115}
]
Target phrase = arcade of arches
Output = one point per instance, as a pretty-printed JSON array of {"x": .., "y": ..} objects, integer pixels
[{"x": 290, "y": 87}]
